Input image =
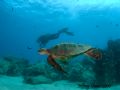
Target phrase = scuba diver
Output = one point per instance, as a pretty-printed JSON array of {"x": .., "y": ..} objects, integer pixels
[{"x": 44, "y": 39}]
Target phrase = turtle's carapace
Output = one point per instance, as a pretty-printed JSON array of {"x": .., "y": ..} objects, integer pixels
[{"x": 66, "y": 51}]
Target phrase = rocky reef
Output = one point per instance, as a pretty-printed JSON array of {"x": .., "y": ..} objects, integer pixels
[
  {"x": 107, "y": 69},
  {"x": 86, "y": 72},
  {"x": 12, "y": 66},
  {"x": 36, "y": 74}
]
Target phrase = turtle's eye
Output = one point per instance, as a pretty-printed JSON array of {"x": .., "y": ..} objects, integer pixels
[{"x": 41, "y": 50}]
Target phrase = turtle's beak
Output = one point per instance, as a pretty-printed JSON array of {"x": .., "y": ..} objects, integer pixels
[
  {"x": 39, "y": 51},
  {"x": 42, "y": 51}
]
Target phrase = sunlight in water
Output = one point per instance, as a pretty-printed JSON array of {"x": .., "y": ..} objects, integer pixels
[
  {"x": 65, "y": 3},
  {"x": 69, "y": 4},
  {"x": 66, "y": 7}
]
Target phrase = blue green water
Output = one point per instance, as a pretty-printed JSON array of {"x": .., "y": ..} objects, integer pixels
[
  {"x": 90, "y": 22},
  {"x": 93, "y": 22}
]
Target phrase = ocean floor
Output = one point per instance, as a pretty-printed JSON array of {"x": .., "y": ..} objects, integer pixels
[{"x": 16, "y": 83}]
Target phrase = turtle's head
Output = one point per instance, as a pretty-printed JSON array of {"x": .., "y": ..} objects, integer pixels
[{"x": 43, "y": 51}]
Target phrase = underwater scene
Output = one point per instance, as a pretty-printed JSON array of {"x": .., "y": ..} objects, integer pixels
[{"x": 59, "y": 44}]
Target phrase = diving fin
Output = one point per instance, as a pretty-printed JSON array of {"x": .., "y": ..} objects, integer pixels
[{"x": 65, "y": 30}]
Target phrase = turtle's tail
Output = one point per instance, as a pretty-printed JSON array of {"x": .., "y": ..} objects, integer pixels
[{"x": 94, "y": 53}]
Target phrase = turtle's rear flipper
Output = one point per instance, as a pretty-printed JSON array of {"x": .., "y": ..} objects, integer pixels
[
  {"x": 94, "y": 53},
  {"x": 52, "y": 62}
]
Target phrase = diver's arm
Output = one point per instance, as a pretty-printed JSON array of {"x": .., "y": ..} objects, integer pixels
[{"x": 54, "y": 36}]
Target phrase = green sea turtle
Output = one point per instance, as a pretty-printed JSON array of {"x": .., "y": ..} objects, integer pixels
[{"x": 65, "y": 51}]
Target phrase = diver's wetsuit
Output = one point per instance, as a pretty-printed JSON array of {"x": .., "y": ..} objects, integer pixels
[{"x": 44, "y": 39}]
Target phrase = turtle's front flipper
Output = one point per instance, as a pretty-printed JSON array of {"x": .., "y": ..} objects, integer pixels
[
  {"x": 94, "y": 53},
  {"x": 52, "y": 62}
]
